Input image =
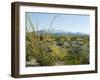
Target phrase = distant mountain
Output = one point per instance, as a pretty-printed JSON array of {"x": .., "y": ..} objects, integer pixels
[
  {"x": 51, "y": 31},
  {"x": 60, "y": 32}
]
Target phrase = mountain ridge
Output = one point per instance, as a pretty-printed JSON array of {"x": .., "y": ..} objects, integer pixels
[{"x": 60, "y": 32}]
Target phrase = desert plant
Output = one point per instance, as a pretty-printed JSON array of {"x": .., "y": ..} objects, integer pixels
[
  {"x": 49, "y": 49},
  {"x": 35, "y": 43},
  {"x": 47, "y": 60}
]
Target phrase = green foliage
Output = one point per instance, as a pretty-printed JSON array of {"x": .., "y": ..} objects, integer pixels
[
  {"x": 77, "y": 54},
  {"x": 48, "y": 49},
  {"x": 70, "y": 60},
  {"x": 47, "y": 60}
]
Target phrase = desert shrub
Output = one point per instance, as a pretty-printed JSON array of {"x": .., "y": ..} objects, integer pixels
[
  {"x": 28, "y": 51},
  {"x": 48, "y": 49},
  {"x": 84, "y": 60},
  {"x": 71, "y": 60},
  {"x": 73, "y": 55},
  {"x": 47, "y": 60},
  {"x": 77, "y": 54},
  {"x": 57, "y": 52}
]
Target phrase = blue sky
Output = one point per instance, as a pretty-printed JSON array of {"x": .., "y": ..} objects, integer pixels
[{"x": 63, "y": 22}]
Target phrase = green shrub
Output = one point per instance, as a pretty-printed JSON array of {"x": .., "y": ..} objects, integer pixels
[
  {"x": 47, "y": 60},
  {"x": 71, "y": 60}
]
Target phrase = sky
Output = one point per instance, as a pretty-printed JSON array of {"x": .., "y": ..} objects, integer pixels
[{"x": 62, "y": 22}]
